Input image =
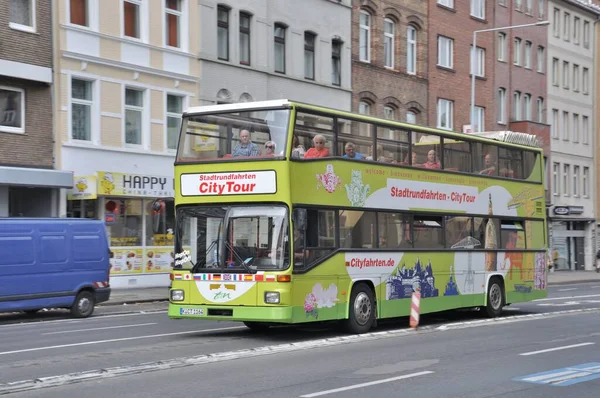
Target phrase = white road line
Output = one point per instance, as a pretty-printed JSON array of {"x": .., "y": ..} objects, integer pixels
[
  {"x": 371, "y": 383},
  {"x": 556, "y": 349},
  {"x": 566, "y": 290},
  {"x": 74, "y": 321},
  {"x": 595, "y": 287},
  {"x": 52, "y": 347},
  {"x": 107, "y": 327},
  {"x": 567, "y": 297}
]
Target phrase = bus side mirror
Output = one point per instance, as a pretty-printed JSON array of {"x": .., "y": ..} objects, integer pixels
[{"x": 300, "y": 219}]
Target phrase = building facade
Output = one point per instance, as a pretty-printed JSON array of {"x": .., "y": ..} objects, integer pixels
[
  {"x": 389, "y": 59},
  {"x": 29, "y": 184},
  {"x": 259, "y": 50},
  {"x": 124, "y": 71},
  {"x": 571, "y": 98}
]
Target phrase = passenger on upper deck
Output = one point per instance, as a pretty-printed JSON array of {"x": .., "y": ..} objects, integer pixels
[
  {"x": 490, "y": 165},
  {"x": 432, "y": 162},
  {"x": 351, "y": 154},
  {"x": 245, "y": 147},
  {"x": 298, "y": 149},
  {"x": 319, "y": 150}
]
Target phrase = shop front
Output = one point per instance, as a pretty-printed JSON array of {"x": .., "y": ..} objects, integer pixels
[
  {"x": 141, "y": 237},
  {"x": 572, "y": 239}
]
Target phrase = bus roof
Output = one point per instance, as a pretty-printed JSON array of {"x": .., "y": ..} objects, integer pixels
[{"x": 510, "y": 137}]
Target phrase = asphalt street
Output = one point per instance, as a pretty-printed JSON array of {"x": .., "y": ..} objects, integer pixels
[{"x": 452, "y": 354}]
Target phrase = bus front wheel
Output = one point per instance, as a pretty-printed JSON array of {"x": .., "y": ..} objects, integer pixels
[
  {"x": 361, "y": 314},
  {"x": 495, "y": 298}
]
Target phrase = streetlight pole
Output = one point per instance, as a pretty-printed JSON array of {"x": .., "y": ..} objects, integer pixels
[{"x": 474, "y": 63}]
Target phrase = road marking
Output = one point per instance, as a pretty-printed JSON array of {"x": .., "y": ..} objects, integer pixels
[
  {"x": 566, "y": 290},
  {"x": 565, "y": 376},
  {"x": 53, "y": 347},
  {"x": 595, "y": 287},
  {"x": 74, "y": 321},
  {"x": 556, "y": 349},
  {"x": 104, "y": 328},
  {"x": 371, "y": 383},
  {"x": 567, "y": 298}
]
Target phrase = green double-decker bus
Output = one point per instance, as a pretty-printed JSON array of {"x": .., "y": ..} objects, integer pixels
[{"x": 288, "y": 213}]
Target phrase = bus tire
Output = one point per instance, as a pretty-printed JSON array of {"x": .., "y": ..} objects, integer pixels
[
  {"x": 84, "y": 303},
  {"x": 495, "y": 298},
  {"x": 257, "y": 326},
  {"x": 361, "y": 311}
]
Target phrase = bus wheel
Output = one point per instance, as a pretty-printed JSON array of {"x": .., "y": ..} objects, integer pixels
[
  {"x": 83, "y": 306},
  {"x": 495, "y": 298},
  {"x": 362, "y": 309},
  {"x": 257, "y": 326}
]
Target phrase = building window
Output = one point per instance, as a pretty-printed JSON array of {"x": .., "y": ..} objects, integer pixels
[
  {"x": 411, "y": 50},
  {"x": 556, "y": 23},
  {"x": 586, "y": 81},
  {"x": 575, "y": 77},
  {"x": 575, "y": 127},
  {"x": 555, "y": 179},
  {"x": 389, "y": 113},
  {"x": 279, "y": 37},
  {"x": 22, "y": 15},
  {"x": 566, "y": 172},
  {"x": 502, "y": 105},
  {"x": 529, "y": 7},
  {"x": 527, "y": 106},
  {"x": 309, "y": 55},
  {"x": 478, "y": 8},
  {"x": 501, "y": 46},
  {"x": 566, "y": 30},
  {"x": 540, "y": 59},
  {"x": 586, "y": 34},
  {"x": 134, "y": 111},
  {"x": 517, "y": 52},
  {"x": 174, "y": 111},
  {"x": 411, "y": 117},
  {"x": 12, "y": 110},
  {"x": 445, "y": 51},
  {"x": 541, "y": 9},
  {"x": 519, "y": 5},
  {"x": 173, "y": 22},
  {"x": 585, "y": 182},
  {"x": 479, "y": 124},
  {"x": 446, "y": 3},
  {"x": 555, "y": 81},
  {"x": 131, "y": 18},
  {"x": 576, "y": 27},
  {"x": 565, "y": 75},
  {"x": 517, "y": 105},
  {"x": 540, "y": 110},
  {"x": 528, "y": 46},
  {"x": 565, "y": 125},
  {"x": 445, "y": 110},
  {"x": 82, "y": 97},
  {"x": 479, "y": 63},
  {"x": 389, "y": 32},
  {"x": 245, "y": 38},
  {"x": 223, "y": 33},
  {"x": 78, "y": 12},
  {"x": 585, "y": 129},
  {"x": 364, "y": 108},
  {"x": 336, "y": 62},
  {"x": 364, "y": 39},
  {"x": 554, "y": 125}
]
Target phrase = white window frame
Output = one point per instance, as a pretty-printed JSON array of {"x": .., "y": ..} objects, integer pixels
[
  {"x": 529, "y": 7},
  {"x": 565, "y": 74},
  {"x": 94, "y": 104},
  {"x": 555, "y": 124},
  {"x": 411, "y": 117},
  {"x": 26, "y": 28},
  {"x": 93, "y": 15},
  {"x": 411, "y": 50},
  {"x": 585, "y": 181},
  {"x": 183, "y": 26},
  {"x": 556, "y": 179},
  {"x": 576, "y": 127},
  {"x": 445, "y": 53},
  {"x": 478, "y": 9},
  {"x": 585, "y": 85},
  {"x": 540, "y": 110},
  {"x": 448, "y": 107},
  {"x": 566, "y": 178},
  {"x": 18, "y": 130},
  {"x": 575, "y": 181},
  {"x": 585, "y": 129},
  {"x": 565, "y": 125},
  {"x": 184, "y": 105},
  {"x": 517, "y": 106},
  {"x": 364, "y": 108},
  {"x": 367, "y": 29},
  {"x": 555, "y": 73},
  {"x": 389, "y": 43},
  {"x": 556, "y": 22},
  {"x": 389, "y": 113},
  {"x": 479, "y": 61},
  {"x": 501, "y": 105},
  {"x": 541, "y": 9},
  {"x": 575, "y": 77},
  {"x": 517, "y": 51},
  {"x": 586, "y": 34},
  {"x": 143, "y": 21},
  {"x": 540, "y": 59},
  {"x": 479, "y": 119},
  {"x": 501, "y": 46},
  {"x": 528, "y": 47},
  {"x": 566, "y": 26},
  {"x": 576, "y": 28},
  {"x": 446, "y": 3},
  {"x": 144, "y": 142},
  {"x": 527, "y": 105}
]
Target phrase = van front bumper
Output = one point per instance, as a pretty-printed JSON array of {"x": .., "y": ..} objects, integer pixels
[{"x": 102, "y": 294}]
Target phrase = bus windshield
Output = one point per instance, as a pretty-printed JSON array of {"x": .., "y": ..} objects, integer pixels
[
  {"x": 233, "y": 238},
  {"x": 233, "y": 136}
]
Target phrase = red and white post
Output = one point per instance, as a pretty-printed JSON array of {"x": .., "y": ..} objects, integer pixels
[{"x": 415, "y": 309}]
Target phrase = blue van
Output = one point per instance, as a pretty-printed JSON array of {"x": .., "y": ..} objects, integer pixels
[{"x": 53, "y": 263}]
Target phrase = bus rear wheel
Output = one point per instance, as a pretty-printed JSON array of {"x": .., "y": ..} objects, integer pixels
[
  {"x": 495, "y": 298},
  {"x": 361, "y": 314}
]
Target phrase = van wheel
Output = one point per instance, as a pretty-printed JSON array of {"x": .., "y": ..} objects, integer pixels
[
  {"x": 83, "y": 305},
  {"x": 495, "y": 298},
  {"x": 361, "y": 314}
]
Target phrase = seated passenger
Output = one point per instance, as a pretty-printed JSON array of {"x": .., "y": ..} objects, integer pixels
[
  {"x": 298, "y": 149},
  {"x": 319, "y": 150},
  {"x": 270, "y": 147},
  {"x": 245, "y": 147},
  {"x": 414, "y": 160},
  {"x": 351, "y": 154},
  {"x": 431, "y": 162},
  {"x": 380, "y": 156},
  {"x": 490, "y": 166}
]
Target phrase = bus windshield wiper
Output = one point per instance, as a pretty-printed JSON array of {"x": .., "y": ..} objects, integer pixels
[{"x": 244, "y": 263}]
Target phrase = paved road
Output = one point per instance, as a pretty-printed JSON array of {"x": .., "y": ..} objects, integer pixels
[{"x": 61, "y": 346}]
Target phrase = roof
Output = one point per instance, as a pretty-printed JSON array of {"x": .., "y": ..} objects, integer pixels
[
  {"x": 511, "y": 137},
  {"x": 239, "y": 106}
]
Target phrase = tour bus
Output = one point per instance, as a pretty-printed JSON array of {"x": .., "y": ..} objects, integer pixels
[{"x": 289, "y": 213}]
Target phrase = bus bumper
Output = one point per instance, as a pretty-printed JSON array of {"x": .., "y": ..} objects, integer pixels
[{"x": 233, "y": 313}]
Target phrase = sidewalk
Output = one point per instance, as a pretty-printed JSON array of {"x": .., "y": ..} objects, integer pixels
[{"x": 157, "y": 294}]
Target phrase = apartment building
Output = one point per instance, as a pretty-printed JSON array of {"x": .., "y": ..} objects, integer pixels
[
  {"x": 29, "y": 184},
  {"x": 390, "y": 59},
  {"x": 259, "y": 50},
  {"x": 124, "y": 70},
  {"x": 571, "y": 98}
]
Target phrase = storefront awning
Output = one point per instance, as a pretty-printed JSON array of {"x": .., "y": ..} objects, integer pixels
[{"x": 22, "y": 176}]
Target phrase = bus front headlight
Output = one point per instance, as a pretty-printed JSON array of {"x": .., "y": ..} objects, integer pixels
[
  {"x": 272, "y": 297},
  {"x": 177, "y": 295}
]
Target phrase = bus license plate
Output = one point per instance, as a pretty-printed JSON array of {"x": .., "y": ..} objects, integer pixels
[{"x": 191, "y": 311}]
